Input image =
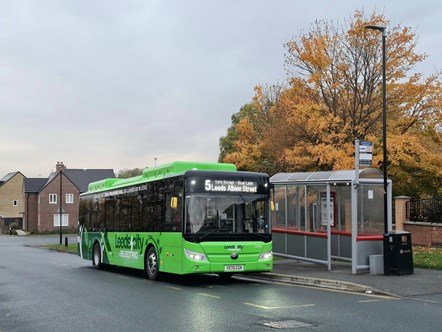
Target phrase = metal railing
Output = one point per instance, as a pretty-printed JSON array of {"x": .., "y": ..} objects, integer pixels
[{"x": 425, "y": 210}]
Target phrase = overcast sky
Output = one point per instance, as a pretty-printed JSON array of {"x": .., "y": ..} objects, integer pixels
[{"x": 115, "y": 84}]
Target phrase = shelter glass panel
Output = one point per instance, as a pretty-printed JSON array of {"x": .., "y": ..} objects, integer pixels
[
  {"x": 370, "y": 209},
  {"x": 295, "y": 207},
  {"x": 342, "y": 201},
  {"x": 316, "y": 210},
  {"x": 279, "y": 198}
]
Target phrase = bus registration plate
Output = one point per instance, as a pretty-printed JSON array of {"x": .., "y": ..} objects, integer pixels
[{"x": 233, "y": 268}]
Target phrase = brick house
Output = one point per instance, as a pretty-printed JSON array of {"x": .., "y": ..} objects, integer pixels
[
  {"x": 42, "y": 202},
  {"x": 11, "y": 200},
  {"x": 31, "y": 190}
]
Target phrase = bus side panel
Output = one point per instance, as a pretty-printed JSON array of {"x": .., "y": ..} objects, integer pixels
[
  {"x": 126, "y": 248},
  {"x": 121, "y": 249}
]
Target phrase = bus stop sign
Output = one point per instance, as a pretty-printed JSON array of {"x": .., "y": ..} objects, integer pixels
[{"x": 365, "y": 153}]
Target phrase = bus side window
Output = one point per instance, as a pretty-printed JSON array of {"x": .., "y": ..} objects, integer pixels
[
  {"x": 110, "y": 214},
  {"x": 151, "y": 209},
  {"x": 125, "y": 213},
  {"x": 145, "y": 215},
  {"x": 136, "y": 213},
  {"x": 95, "y": 223},
  {"x": 101, "y": 215},
  {"x": 151, "y": 217},
  {"x": 82, "y": 217}
]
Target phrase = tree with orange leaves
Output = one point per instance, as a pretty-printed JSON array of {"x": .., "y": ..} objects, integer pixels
[
  {"x": 335, "y": 97},
  {"x": 244, "y": 143}
]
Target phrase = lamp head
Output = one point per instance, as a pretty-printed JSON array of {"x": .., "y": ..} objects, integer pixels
[{"x": 376, "y": 27}]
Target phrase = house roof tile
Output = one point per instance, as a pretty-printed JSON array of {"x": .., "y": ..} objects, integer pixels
[
  {"x": 8, "y": 177},
  {"x": 33, "y": 185},
  {"x": 79, "y": 177},
  {"x": 82, "y": 177}
]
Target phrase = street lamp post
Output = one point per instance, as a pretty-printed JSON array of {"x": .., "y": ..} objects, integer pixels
[
  {"x": 384, "y": 133},
  {"x": 61, "y": 205}
]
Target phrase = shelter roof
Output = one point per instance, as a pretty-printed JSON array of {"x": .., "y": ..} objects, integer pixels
[{"x": 329, "y": 176}]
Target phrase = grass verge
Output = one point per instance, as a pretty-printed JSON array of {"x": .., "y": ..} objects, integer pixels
[
  {"x": 71, "y": 248},
  {"x": 427, "y": 257}
]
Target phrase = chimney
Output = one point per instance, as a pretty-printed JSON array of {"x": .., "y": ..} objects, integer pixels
[{"x": 60, "y": 166}]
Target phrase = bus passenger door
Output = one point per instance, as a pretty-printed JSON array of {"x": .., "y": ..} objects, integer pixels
[{"x": 171, "y": 232}]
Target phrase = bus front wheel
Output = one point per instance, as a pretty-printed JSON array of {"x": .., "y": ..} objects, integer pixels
[
  {"x": 152, "y": 264},
  {"x": 96, "y": 257}
]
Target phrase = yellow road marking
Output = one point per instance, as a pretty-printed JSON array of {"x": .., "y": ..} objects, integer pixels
[
  {"x": 379, "y": 298},
  {"x": 282, "y": 307},
  {"x": 209, "y": 295}
]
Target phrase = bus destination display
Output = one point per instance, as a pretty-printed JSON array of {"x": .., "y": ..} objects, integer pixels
[{"x": 231, "y": 186}]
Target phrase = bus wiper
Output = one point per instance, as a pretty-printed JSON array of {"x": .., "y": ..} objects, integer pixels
[
  {"x": 262, "y": 236},
  {"x": 216, "y": 230}
]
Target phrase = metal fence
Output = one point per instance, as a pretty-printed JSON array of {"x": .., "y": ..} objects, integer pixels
[{"x": 425, "y": 210}]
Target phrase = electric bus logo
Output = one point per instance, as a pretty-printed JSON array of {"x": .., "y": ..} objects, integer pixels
[{"x": 132, "y": 244}]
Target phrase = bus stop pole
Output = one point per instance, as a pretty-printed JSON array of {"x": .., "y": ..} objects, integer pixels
[
  {"x": 329, "y": 221},
  {"x": 354, "y": 212}
]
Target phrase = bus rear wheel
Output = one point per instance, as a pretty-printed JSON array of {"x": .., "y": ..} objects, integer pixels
[
  {"x": 152, "y": 264},
  {"x": 96, "y": 257}
]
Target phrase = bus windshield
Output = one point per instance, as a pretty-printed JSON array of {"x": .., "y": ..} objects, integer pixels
[{"x": 213, "y": 215}]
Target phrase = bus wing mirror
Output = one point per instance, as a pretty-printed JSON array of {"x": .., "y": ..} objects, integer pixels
[{"x": 174, "y": 202}]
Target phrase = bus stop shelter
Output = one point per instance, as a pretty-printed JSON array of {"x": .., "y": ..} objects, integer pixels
[{"x": 320, "y": 216}]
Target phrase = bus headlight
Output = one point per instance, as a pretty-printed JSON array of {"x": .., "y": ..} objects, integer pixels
[
  {"x": 195, "y": 256},
  {"x": 265, "y": 255}
]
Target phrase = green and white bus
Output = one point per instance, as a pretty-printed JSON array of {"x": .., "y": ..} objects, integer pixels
[{"x": 181, "y": 218}]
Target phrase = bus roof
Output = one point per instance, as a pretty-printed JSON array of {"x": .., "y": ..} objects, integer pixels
[{"x": 158, "y": 172}]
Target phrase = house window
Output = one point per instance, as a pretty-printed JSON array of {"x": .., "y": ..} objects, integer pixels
[
  {"x": 14, "y": 202},
  {"x": 52, "y": 198},
  {"x": 65, "y": 221},
  {"x": 69, "y": 198}
]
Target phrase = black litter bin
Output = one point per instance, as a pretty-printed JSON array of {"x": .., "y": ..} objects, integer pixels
[{"x": 398, "y": 253}]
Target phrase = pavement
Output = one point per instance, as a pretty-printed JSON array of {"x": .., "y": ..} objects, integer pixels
[{"x": 422, "y": 282}]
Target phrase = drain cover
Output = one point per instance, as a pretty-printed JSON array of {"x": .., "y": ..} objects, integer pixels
[{"x": 287, "y": 324}]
